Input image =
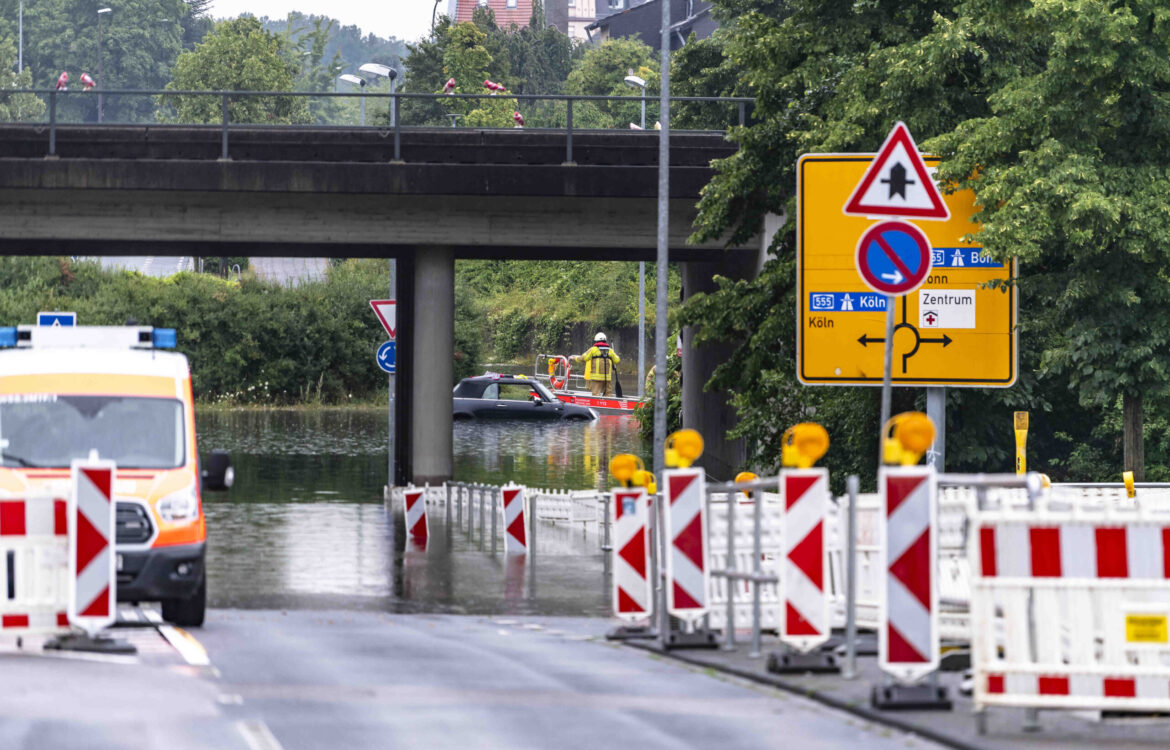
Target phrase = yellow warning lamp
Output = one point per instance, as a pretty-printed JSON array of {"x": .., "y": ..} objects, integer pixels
[
  {"x": 908, "y": 436},
  {"x": 643, "y": 478},
  {"x": 1129, "y": 488},
  {"x": 624, "y": 466},
  {"x": 683, "y": 448},
  {"x": 1046, "y": 482},
  {"x": 745, "y": 476},
  {"x": 802, "y": 445}
]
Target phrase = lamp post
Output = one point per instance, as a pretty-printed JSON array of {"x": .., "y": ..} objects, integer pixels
[
  {"x": 20, "y": 36},
  {"x": 639, "y": 83},
  {"x": 360, "y": 83},
  {"x": 384, "y": 71},
  {"x": 100, "y": 81}
]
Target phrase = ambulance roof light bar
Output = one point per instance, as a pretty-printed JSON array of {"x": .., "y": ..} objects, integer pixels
[{"x": 88, "y": 337}]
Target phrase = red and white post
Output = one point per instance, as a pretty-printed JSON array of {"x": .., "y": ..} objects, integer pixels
[
  {"x": 685, "y": 525},
  {"x": 908, "y": 637},
  {"x": 633, "y": 593},
  {"x": 92, "y": 584},
  {"x": 515, "y": 527},
  {"x": 415, "y": 502},
  {"x": 805, "y": 623}
]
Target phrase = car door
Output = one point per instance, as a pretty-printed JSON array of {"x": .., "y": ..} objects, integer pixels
[{"x": 515, "y": 402}]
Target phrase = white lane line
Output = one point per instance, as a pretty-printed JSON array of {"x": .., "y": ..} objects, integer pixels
[
  {"x": 257, "y": 734},
  {"x": 190, "y": 649}
]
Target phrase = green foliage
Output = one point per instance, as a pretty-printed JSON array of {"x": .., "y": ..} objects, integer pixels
[
  {"x": 139, "y": 41},
  {"x": 248, "y": 342},
  {"x": 529, "y": 306},
  {"x": 17, "y": 107},
  {"x": 644, "y": 412},
  {"x": 602, "y": 72},
  {"x": 1054, "y": 114},
  {"x": 238, "y": 55}
]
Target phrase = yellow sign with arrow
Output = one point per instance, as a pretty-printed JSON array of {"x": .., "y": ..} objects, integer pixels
[{"x": 956, "y": 330}]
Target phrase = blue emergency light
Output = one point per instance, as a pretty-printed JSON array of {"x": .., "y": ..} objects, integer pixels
[
  {"x": 8, "y": 336},
  {"x": 165, "y": 338}
]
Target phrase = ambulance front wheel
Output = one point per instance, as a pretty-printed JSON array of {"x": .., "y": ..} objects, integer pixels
[{"x": 187, "y": 613}]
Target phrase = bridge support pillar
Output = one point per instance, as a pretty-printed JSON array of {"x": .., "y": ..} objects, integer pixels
[
  {"x": 710, "y": 412},
  {"x": 433, "y": 338}
]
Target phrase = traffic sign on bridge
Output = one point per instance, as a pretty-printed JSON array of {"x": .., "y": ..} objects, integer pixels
[{"x": 958, "y": 329}]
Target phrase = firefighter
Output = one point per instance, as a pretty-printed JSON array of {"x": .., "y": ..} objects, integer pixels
[{"x": 600, "y": 362}]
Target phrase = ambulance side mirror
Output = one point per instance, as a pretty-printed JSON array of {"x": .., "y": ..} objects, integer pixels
[{"x": 218, "y": 474}]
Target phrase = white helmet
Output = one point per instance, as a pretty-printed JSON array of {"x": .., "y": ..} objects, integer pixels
[{"x": 599, "y": 338}]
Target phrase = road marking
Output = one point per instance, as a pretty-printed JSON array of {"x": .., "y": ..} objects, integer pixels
[
  {"x": 257, "y": 734},
  {"x": 190, "y": 649},
  {"x": 230, "y": 699}
]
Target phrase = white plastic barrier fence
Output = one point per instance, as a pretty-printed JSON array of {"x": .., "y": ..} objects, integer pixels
[
  {"x": 1070, "y": 605},
  {"x": 743, "y": 544},
  {"x": 34, "y": 569}
]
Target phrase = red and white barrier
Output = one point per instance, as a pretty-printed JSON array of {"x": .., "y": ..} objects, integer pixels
[
  {"x": 632, "y": 588},
  {"x": 515, "y": 528},
  {"x": 1071, "y": 609},
  {"x": 908, "y": 638},
  {"x": 415, "y": 502},
  {"x": 92, "y": 582},
  {"x": 687, "y": 569},
  {"x": 805, "y": 624},
  {"x": 34, "y": 546}
]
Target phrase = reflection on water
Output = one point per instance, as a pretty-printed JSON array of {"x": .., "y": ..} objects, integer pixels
[{"x": 305, "y": 527}]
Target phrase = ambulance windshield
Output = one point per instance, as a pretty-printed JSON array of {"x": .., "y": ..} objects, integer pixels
[{"x": 50, "y": 430}]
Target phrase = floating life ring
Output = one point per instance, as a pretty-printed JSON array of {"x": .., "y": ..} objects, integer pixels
[{"x": 556, "y": 363}]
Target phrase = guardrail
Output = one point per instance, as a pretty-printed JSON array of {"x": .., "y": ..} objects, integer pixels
[{"x": 545, "y": 112}]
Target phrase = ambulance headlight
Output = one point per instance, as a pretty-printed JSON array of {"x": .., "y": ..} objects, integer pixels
[{"x": 180, "y": 507}]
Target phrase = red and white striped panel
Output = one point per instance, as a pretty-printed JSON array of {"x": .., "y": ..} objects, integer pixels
[
  {"x": 416, "y": 514},
  {"x": 515, "y": 532},
  {"x": 908, "y": 634},
  {"x": 632, "y": 590},
  {"x": 1071, "y": 690},
  {"x": 805, "y": 624},
  {"x": 92, "y": 586},
  {"x": 1074, "y": 550},
  {"x": 28, "y": 527},
  {"x": 687, "y": 573},
  {"x": 20, "y": 517}
]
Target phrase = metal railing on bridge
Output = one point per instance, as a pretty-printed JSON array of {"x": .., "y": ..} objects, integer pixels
[{"x": 393, "y": 112}]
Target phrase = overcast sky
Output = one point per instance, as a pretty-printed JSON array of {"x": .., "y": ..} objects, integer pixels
[{"x": 405, "y": 19}]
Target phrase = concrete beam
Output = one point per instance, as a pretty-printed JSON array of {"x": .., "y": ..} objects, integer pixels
[
  {"x": 432, "y": 458},
  {"x": 175, "y": 222}
]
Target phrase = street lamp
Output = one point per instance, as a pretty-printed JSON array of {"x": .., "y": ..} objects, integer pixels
[
  {"x": 638, "y": 83},
  {"x": 101, "y": 81},
  {"x": 360, "y": 83},
  {"x": 384, "y": 71}
]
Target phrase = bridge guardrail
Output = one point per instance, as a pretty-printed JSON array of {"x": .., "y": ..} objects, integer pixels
[{"x": 547, "y": 112}]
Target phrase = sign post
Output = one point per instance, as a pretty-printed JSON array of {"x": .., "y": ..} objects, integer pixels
[{"x": 387, "y": 312}]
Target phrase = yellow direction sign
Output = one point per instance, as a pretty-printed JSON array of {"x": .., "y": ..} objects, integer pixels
[{"x": 954, "y": 331}]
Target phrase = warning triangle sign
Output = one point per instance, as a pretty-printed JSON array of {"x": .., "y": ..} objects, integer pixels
[
  {"x": 387, "y": 312},
  {"x": 897, "y": 183}
]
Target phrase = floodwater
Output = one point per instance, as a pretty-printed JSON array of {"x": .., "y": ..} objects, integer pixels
[{"x": 305, "y": 525}]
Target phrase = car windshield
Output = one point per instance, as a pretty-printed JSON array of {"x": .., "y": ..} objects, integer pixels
[{"x": 52, "y": 430}]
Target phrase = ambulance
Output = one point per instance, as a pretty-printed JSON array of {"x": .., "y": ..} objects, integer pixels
[{"x": 68, "y": 390}]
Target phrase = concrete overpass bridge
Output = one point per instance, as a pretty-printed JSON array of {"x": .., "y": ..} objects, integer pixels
[{"x": 451, "y": 193}]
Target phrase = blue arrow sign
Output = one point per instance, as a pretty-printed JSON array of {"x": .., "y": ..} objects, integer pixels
[
  {"x": 57, "y": 319},
  {"x": 387, "y": 356},
  {"x": 893, "y": 257}
]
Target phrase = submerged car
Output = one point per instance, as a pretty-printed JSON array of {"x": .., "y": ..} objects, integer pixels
[{"x": 494, "y": 396}]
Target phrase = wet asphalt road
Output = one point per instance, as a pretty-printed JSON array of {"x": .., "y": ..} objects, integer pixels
[{"x": 303, "y": 680}]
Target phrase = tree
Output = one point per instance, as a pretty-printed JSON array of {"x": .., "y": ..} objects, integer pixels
[
  {"x": 602, "y": 71},
  {"x": 18, "y": 107},
  {"x": 238, "y": 55},
  {"x": 140, "y": 40},
  {"x": 1071, "y": 168},
  {"x": 467, "y": 61}
]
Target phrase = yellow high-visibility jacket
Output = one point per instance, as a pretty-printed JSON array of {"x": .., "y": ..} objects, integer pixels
[{"x": 599, "y": 363}]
